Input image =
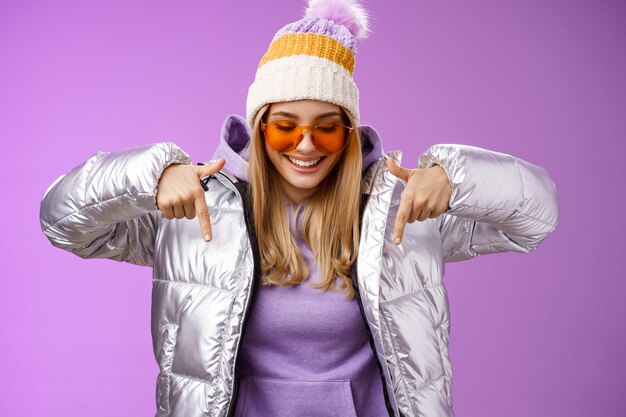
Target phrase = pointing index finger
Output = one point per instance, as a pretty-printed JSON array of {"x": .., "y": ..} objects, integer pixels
[
  {"x": 404, "y": 211},
  {"x": 202, "y": 211}
]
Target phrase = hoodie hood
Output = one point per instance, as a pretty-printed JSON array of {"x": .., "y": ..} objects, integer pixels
[{"x": 235, "y": 137}]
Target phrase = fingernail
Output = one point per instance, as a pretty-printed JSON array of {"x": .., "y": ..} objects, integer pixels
[
  {"x": 207, "y": 237},
  {"x": 397, "y": 241}
]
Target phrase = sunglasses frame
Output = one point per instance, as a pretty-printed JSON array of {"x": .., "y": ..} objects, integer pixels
[{"x": 310, "y": 129}]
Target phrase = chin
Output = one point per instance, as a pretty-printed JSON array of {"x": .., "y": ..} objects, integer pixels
[{"x": 308, "y": 184}]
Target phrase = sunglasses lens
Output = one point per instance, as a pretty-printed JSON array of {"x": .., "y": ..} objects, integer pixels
[
  {"x": 282, "y": 136},
  {"x": 330, "y": 138}
]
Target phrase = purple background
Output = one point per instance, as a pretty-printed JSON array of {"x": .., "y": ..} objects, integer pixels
[{"x": 539, "y": 334}]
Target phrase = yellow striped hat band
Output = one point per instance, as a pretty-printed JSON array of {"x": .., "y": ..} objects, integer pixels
[{"x": 313, "y": 44}]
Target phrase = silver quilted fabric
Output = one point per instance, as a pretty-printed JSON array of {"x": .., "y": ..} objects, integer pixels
[{"x": 106, "y": 208}]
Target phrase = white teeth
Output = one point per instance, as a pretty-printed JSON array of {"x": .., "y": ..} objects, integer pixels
[{"x": 304, "y": 164}]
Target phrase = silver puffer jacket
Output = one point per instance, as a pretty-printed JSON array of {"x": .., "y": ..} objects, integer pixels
[{"x": 202, "y": 292}]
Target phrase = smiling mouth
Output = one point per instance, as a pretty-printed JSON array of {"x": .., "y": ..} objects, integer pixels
[{"x": 304, "y": 164}]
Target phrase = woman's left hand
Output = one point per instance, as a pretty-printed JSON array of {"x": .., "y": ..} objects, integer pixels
[{"x": 426, "y": 195}]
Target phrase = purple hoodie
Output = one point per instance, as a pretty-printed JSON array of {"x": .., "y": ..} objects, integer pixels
[{"x": 305, "y": 351}]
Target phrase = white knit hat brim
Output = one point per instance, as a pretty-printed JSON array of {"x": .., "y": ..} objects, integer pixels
[{"x": 300, "y": 77}]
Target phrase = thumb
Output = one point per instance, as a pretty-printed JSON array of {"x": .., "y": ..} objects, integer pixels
[
  {"x": 204, "y": 170},
  {"x": 398, "y": 171}
]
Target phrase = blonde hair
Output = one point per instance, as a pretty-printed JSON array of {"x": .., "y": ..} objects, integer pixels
[{"x": 330, "y": 220}]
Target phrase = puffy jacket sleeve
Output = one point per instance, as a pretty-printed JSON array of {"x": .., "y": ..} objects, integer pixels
[
  {"x": 499, "y": 202},
  {"x": 106, "y": 207}
]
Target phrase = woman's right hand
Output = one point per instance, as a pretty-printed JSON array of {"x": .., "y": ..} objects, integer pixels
[{"x": 180, "y": 194}]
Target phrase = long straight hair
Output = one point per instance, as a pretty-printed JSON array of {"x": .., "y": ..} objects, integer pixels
[{"x": 330, "y": 220}]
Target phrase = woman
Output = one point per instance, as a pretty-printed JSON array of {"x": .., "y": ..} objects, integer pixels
[{"x": 314, "y": 291}]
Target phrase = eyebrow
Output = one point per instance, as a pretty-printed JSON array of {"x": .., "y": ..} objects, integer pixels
[{"x": 294, "y": 116}]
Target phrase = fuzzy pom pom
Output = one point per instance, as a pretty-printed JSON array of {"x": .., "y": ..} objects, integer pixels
[{"x": 349, "y": 13}]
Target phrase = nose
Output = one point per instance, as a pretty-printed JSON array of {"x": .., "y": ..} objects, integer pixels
[{"x": 306, "y": 144}]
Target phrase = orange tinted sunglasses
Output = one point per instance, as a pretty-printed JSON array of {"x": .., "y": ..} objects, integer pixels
[{"x": 285, "y": 135}]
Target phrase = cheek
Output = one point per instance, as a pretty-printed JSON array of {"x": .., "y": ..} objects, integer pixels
[
  {"x": 274, "y": 156},
  {"x": 334, "y": 159}
]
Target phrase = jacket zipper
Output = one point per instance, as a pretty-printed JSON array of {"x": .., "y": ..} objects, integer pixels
[
  {"x": 371, "y": 338},
  {"x": 364, "y": 199},
  {"x": 242, "y": 188}
]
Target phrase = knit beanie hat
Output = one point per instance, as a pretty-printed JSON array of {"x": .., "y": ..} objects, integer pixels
[{"x": 312, "y": 58}]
